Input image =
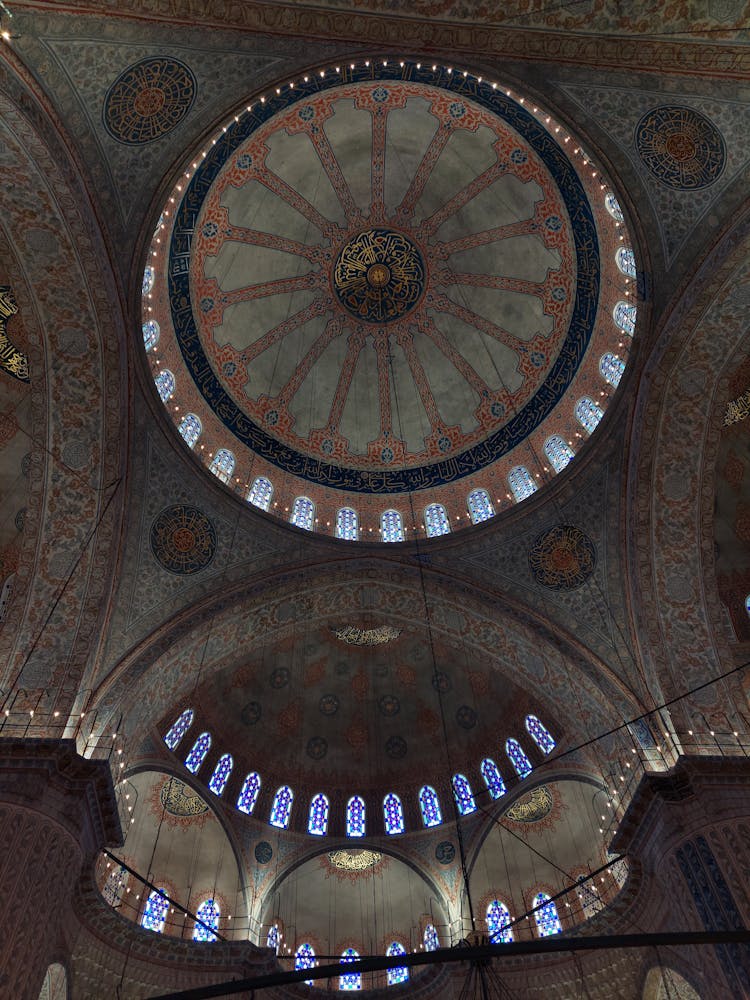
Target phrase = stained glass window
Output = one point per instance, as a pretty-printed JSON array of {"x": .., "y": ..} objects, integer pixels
[
  {"x": 611, "y": 368},
  {"x": 249, "y": 794},
  {"x": 219, "y": 778},
  {"x": 558, "y": 452},
  {"x": 148, "y": 280},
  {"x": 391, "y": 526},
  {"x": 355, "y": 817},
  {"x": 480, "y": 506},
  {"x": 588, "y": 414},
  {"x": 430, "y": 938},
  {"x": 282, "y": 807},
  {"x": 179, "y": 729},
  {"x": 304, "y": 958},
  {"x": 590, "y": 901},
  {"x": 190, "y": 428},
  {"x": 260, "y": 493},
  {"x": 626, "y": 261},
  {"x": 272, "y": 940},
  {"x": 624, "y": 315},
  {"x": 492, "y": 778},
  {"x": 498, "y": 921},
  {"x": 518, "y": 758},
  {"x": 436, "y": 520},
  {"x": 540, "y": 734},
  {"x": 401, "y": 973},
  {"x": 430, "y": 806},
  {"x": 115, "y": 885},
  {"x": 521, "y": 483},
  {"x": 547, "y": 920},
  {"x": 151, "y": 333},
  {"x": 747, "y": 604},
  {"x": 317, "y": 822},
  {"x": 463, "y": 794},
  {"x": 613, "y": 207},
  {"x": 222, "y": 464},
  {"x": 164, "y": 382},
  {"x": 346, "y": 524},
  {"x": 208, "y": 912},
  {"x": 393, "y": 814},
  {"x": 155, "y": 912},
  {"x": 303, "y": 513},
  {"x": 198, "y": 754},
  {"x": 350, "y": 980}
]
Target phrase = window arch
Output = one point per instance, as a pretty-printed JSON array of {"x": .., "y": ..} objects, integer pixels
[
  {"x": 521, "y": 483},
  {"x": 198, "y": 754},
  {"x": 611, "y": 368},
  {"x": 191, "y": 429},
  {"x": 155, "y": 911},
  {"x": 220, "y": 777},
  {"x": 430, "y": 938},
  {"x": 436, "y": 520},
  {"x": 391, "y": 526},
  {"x": 545, "y": 912},
  {"x": 179, "y": 728},
  {"x": 588, "y": 414},
  {"x": 304, "y": 958},
  {"x": 625, "y": 259},
  {"x": 164, "y": 383},
  {"x": 303, "y": 513},
  {"x": 6, "y": 593},
  {"x": 492, "y": 778},
  {"x": 317, "y": 822},
  {"x": 540, "y": 734},
  {"x": 151, "y": 333},
  {"x": 590, "y": 901},
  {"x": 347, "y": 524},
  {"x": 498, "y": 923},
  {"x": 401, "y": 973},
  {"x": 430, "y": 806},
  {"x": 355, "y": 816},
  {"x": 260, "y": 493},
  {"x": 518, "y": 758},
  {"x": 249, "y": 794},
  {"x": 480, "y": 506},
  {"x": 222, "y": 464},
  {"x": 558, "y": 452},
  {"x": 115, "y": 886},
  {"x": 393, "y": 814},
  {"x": 624, "y": 316},
  {"x": 272, "y": 938},
  {"x": 148, "y": 280},
  {"x": 281, "y": 809},
  {"x": 350, "y": 980},
  {"x": 613, "y": 207},
  {"x": 463, "y": 795},
  {"x": 209, "y": 913}
]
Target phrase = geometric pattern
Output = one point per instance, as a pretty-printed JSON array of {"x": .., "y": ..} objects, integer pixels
[
  {"x": 681, "y": 147},
  {"x": 562, "y": 558},
  {"x": 183, "y": 540},
  {"x": 148, "y": 100}
]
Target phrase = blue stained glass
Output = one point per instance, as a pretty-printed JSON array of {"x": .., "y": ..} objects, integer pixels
[
  {"x": 222, "y": 464},
  {"x": 626, "y": 261},
  {"x": 151, "y": 334},
  {"x": 613, "y": 207},
  {"x": 260, "y": 493},
  {"x": 401, "y": 973},
  {"x": 521, "y": 483},
  {"x": 430, "y": 806},
  {"x": 430, "y": 938},
  {"x": 747, "y": 604},
  {"x": 198, "y": 754},
  {"x": 611, "y": 368},
  {"x": 272, "y": 941},
  {"x": 208, "y": 912},
  {"x": 317, "y": 822},
  {"x": 249, "y": 794},
  {"x": 355, "y": 817},
  {"x": 393, "y": 814},
  {"x": 282, "y": 807},
  {"x": 480, "y": 506},
  {"x": 190, "y": 428},
  {"x": 350, "y": 980},
  {"x": 391, "y": 526},
  {"x": 164, "y": 382},
  {"x": 464, "y": 796},
  {"x": 540, "y": 734},
  {"x": 148, "y": 280},
  {"x": 492, "y": 778},
  {"x": 304, "y": 958},
  {"x": 346, "y": 524},
  {"x": 518, "y": 758},
  {"x": 303, "y": 513},
  {"x": 219, "y": 778},
  {"x": 436, "y": 520},
  {"x": 498, "y": 919},
  {"x": 588, "y": 414},
  {"x": 558, "y": 452},
  {"x": 155, "y": 912},
  {"x": 179, "y": 729},
  {"x": 547, "y": 920},
  {"x": 624, "y": 316}
]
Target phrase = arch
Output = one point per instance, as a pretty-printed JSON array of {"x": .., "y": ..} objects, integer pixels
[
  {"x": 480, "y": 506},
  {"x": 55, "y": 985},
  {"x": 588, "y": 414},
  {"x": 463, "y": 795},
  {"x": 198, "y": 754},
  {"x": 613, "y": 207},
  {"x": 518, "y": 758},
  {"x": 545, "y": 914},
  {"x": 304, "y": 958},
  {"x": 155, "y": 911},
  {"x": 498, "y": 922},
  {"x": 260, "y": 493},
  {"x": 355, "y": 816},
  {"x": 436, "y": 520},
  {"x": 347, "y": 524},
  {"x": 391, "y": 526},
  {"x": 115, "y": 886},
  {"x": 317, "y": 822},
  {"x": 558, "y": 452},
  {"x": 624, "y": 315},
  {"x": 191, "y": 429},
  {"x": 208, "y": 912},
  {"x": 611, "y": 368},
  {"x": 393, "y": 814},
  {"x": 165, "y": 386},
  {"x": 350, "y": 980},
  {"x": 249, "y": 794},
  {"x": 151, "y": 334},
  {"x": 429, "y": 805},
  {"x": 540, "y": 734},
  {"x": 222, "y": 464},
  {"x": 220, "y": 777},
  {"x": 430, "y": 938},
  {"x": 281, "y": 809},
  {"x": 521, "y": 482},
  {"x": 179, "y": 728},
  {"x": 665, "y": 983},
  {"x": 303, "y": 513},
  {"x": 492, "y": 778},
  {"x": 148, "y": 280},
  {"x": 399, "y": 974},
  {"x": 625, "y": 260},
  {"x": 591, "y": 903}
]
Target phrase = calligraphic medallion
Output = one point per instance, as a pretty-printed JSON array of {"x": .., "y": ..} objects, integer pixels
[
  {"x": 562, "y": 558},
  {"x": 532, "y": 807},
  {"x": 379, "y": 276},
  {"x": 183, "y": 539}
]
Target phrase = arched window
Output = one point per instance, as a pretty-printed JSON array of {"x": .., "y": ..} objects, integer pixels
[
  {"x": 545, "y": 912},
  {"x": 463, "y": 794},
  {"x": 588, "y": 414},
  {"x": 430, "y": 938},
  {"x": 624, "y": 316},
  {"x": 148, "y": 280},
  {"x": 260, "y": 493},
  {"x": 436, "y": 520},
  {"x": 155, "y": 912},
  {"x": 219, "y": 778},
  {"x": 492, "y": 778},
  {"x": 558, "y": 452},
  {"x": 249, "y": 794},
  {"x": 430, "y": 806},
  {"x": 5, "y": 595},
  {"x": 303, "y": 513},
  {"x": 540, "y": 734},
  {"x": 391, "y": 526},
  {"x": 521, "y": 483},
  {"x": 151, "y": 333},
  {"x": 304, "y": 958},
  {"x": 613, "y": 207},
  {"x": 115, "y": 886},
  {"x": 164, "y": 382},
  {"x": 208, "y": 913},
  {"x": 747, "y": 604},
  {"x": 498, "y": 921},
  {"x": 272, "y": 940},
  {"x": 350, "y": 980},
  {"x": 190, "y": 428},
  {"x": 317, "y": 822},
  {"x": 611, "y": 368},
  {"x": 626, "y": 261},
  {"x": 222, "y": 465},
  {"x": 282, "y": 807},
  {"x": 401, "y": 973},
  {"x": 480, "y": 506},
  {"x": 393, "y": 814},
  {"x": 590, "y": 901},
  {"x": 355, "y": 817},
  {"x": 198, "y": 754},
  {"x": 617, "y": 869},
  {"x": 346, "y": 524},
  {"x": 518, "y": 758},
  {"x": 179, "y": 729}
]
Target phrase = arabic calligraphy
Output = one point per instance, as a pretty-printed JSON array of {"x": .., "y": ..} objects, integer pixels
[
  {"x": 379, "y": 276},
  {"x": 737, "y": 409},
  {"x": 366, "y": 636},
  {"x": 12, "y": 361}
]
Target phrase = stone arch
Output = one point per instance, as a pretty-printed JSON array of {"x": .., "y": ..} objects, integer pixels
[{"x": 665, "y": 983}]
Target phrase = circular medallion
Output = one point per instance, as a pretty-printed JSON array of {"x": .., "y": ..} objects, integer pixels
[
  {"x": 251, "y": 713},
  {"x": 681, "y": 147},
  {"x": 279, "y": 678},
  {"x": 466, "y": 717},
  {"x": 328, "y": 704},
  {"x": 445, "y": 852},
  {"x": 317, "y": 748},
  {"x": 263, "y": 852},
  {"x": 183, "y": 540},
  {"x": 396, "y": 747},
  {"x": 562, "y": 558},
  {"x": 180, "y": 800},
  {"x": 148, "y": 100},
  {"x": 379, "y": 276},
  {"x": 389, "y": 705}
]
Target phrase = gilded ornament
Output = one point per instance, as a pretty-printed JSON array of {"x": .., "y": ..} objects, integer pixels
[
  {"x": 180, "y": 800},
  {"x": 354, "y": 861},
  {"x": 379, "y": 276},
  {"x": 12, "y": 361},
  {"x": 737, "y": 409},
  {"x": 354, "y": 636},
  {"x": 532, "y": 807}
]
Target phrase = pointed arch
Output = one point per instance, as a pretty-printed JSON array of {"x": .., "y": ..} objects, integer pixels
[
  {"x": 249, "y": 794},
  {"x": 355, "y": 816},
  {"x": 430, "y": 938},
  {"x": 545, "y": 914},
  {"x": 208, "y": 912},
  {"x": 429, "y": 805},
  {"x": 281, "y": 810},
  {"x": 393, "y": 814},
  {"x": 463, "y": 795},
  {"x": 272, "y": 938},
  {"x": 498, "y": 923},
  {"x": 317, "y": 821},
  {"x": 197, "y": 755},
  {"x": 350, "y": 980},
  {"x": 304, "y": 958},
  {"x": 149, "y": 274},
  {"x": 518, "y": 758},
  {"x": 151, "y": 334},
  {"x": 540, "y": 734},
  {"x": 155, "y": 911},
  {"x": 492, "y": 778},
  {"x": 179, "y": 728},
  {"x": 399, "y": 974},
  {"x": 220, "y": 777}
]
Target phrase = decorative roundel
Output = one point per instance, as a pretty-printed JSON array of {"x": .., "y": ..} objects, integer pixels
[
  {"x": 328, "y": 704},
  {"x": 562, "y": 558},
  {"x": 183, "y": 540},
  {"x": 317, "y": 747},
  {"x": 251, "y": 713},
  {"x": 279, "y": 678},
  {"x": 389, "y": 705},
  {"x": 466, "y": 717},
  {"x": 445, "y": 852},
  {"x": 396, "y": 747},
  {"x": 681, "y": 147},
  {"x": 148, "y": 100},
  {"x": 379, "y": 276},
  {"x": 263, "y": 852},
  {"x": 532, "y": 807}
]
